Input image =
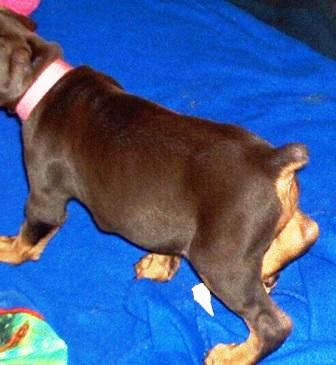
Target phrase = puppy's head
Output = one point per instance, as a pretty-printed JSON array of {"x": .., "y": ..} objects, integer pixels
[{"x": 23, "y": 54}]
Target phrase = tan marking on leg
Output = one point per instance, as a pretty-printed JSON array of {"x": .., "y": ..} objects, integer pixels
[
  {"x": 293, "y": 241},
  {"x": 10, "y": 251},
  {"x": 15, "y": 250},
  {"x": 287, "y": 192},
  {"x": 157, "y": 267},
  {"x": 246, "y": 353},
  {"x": 295, "y": 232}
]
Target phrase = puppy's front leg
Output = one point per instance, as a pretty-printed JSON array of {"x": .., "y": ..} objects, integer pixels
[{"x": 45, "y": 214}]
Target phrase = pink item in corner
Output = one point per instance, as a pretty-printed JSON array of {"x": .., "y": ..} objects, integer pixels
[
  {"x": 47, "y": 79},
  {"x": 23, "y": 7}
]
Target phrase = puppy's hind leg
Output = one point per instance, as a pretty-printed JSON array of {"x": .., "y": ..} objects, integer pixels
[
  {"x": 239, "y": 287},
  {"x": 293, "y": 241},
  {"x": 268, "y": 326}
]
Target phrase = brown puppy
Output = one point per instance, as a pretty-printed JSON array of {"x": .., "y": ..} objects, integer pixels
[{"x": 175, "y": 185}]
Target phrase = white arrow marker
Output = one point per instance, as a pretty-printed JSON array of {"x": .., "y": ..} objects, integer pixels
[{"x": 202, "y": 296}]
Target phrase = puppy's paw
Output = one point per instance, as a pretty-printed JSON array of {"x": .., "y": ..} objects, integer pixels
[
  {"x": 6, "y": 241},
  {"x": 7, "y": 245},
  {"x": 157, "y": 267},
  {"x": 8, "y": 250},
  {"x": 232, "y": 354}
]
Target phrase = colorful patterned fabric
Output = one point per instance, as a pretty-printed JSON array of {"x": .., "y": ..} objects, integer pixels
[{"x": 26, "y": 339}]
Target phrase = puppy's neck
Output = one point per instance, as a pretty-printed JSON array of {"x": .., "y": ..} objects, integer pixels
[{"x": 44, "y": 82}]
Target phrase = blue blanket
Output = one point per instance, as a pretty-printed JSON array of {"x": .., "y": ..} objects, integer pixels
[{"x": 205, "y": 58}]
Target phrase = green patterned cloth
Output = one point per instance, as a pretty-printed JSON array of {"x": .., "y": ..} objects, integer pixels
[{"x": 31, "y": 341}]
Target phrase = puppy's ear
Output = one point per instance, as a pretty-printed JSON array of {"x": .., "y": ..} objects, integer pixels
[{"x": 25, "y": 21}]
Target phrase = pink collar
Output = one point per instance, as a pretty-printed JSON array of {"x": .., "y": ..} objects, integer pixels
[{"x": 47, "y": 79}]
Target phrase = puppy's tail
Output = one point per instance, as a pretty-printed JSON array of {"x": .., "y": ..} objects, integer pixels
[{"x": 289, "y": 158}]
